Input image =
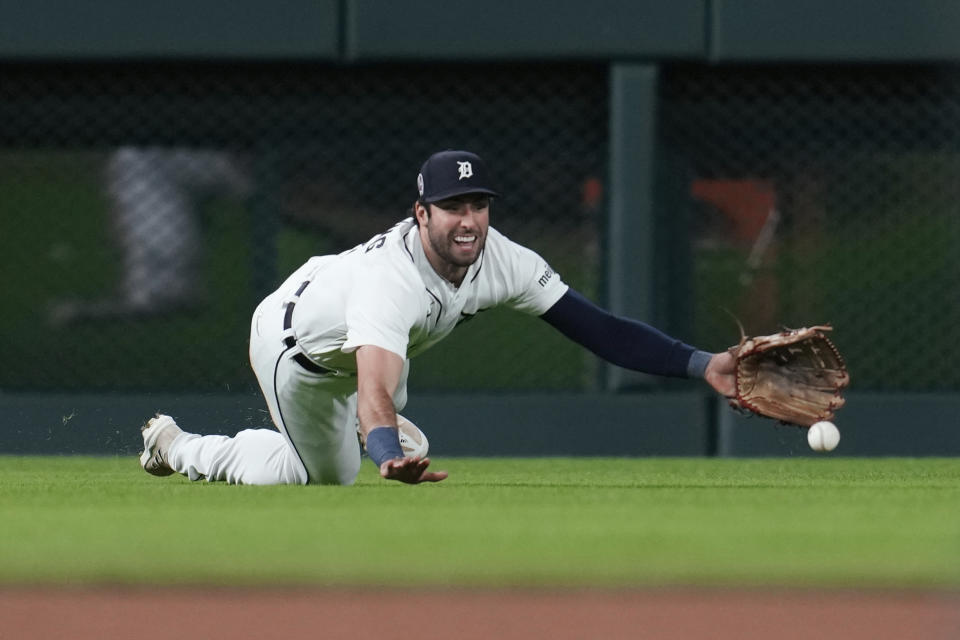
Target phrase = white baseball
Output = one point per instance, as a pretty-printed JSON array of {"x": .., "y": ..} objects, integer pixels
[
  {"x": 412, "y": 440},
  {"x": 823, "y": 436}
]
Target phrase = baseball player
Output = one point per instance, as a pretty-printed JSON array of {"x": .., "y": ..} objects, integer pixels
[{"x": 331, "y": 346}]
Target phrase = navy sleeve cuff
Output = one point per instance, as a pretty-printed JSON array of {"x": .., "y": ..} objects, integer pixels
[
  {"x": 383, "y": 443},
  {"x": 697, "y": 365}
]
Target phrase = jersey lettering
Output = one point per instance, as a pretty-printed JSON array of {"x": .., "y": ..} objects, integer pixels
[
  {"x": 376, "y": 242},
  {"x": 545, "y": 278}
]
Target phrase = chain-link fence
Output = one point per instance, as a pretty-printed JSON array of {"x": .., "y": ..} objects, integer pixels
[
  {"x": 816, "y": 195},
  {"x": 147, "y": 208}
]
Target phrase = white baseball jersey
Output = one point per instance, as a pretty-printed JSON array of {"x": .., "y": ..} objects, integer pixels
[{"x": 385, "y": 293}]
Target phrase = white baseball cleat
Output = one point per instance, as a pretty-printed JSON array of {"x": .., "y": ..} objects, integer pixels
[{"x": 158, "y": 434}]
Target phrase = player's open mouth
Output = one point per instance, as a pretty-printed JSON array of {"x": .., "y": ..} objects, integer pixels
[{"x": 465, "y": 240}]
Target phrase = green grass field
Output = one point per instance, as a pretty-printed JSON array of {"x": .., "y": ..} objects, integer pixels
[{"x": 523, "y": 522}]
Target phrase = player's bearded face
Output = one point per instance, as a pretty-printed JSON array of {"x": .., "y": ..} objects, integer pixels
[{"x": 457, "y": 228}]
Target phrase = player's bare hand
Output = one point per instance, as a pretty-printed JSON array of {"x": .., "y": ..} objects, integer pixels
[
  {"x": 720, "y": 374},
  {"x": 410, "y": 470}
]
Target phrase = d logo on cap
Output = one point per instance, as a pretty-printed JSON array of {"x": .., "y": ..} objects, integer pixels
[{"x": 448, "y": 174}]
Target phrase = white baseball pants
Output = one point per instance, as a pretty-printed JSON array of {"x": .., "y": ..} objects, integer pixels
[{"x": 316, "y": 415}]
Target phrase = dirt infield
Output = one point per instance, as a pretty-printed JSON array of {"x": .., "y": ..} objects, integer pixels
[{"x": 465, "y": 614}]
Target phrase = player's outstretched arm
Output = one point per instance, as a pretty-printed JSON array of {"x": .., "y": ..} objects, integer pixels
[
  {"x": 637, "y": 345},
  {"x": 623, "y": 341}
]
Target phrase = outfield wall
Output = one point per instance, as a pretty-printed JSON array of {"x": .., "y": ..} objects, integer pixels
[
  {"x": 464, "y": 30},
  {"x": 665, "y": 424}
]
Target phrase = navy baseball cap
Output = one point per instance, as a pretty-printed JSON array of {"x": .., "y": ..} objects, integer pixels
[{"x": 453, "y": 173}]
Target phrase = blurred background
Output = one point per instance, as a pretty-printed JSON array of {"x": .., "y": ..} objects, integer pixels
[{"x": 163, "y": 167}]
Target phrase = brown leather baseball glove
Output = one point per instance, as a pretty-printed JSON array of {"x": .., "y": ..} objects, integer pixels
[{"x": 796, "y": 376}]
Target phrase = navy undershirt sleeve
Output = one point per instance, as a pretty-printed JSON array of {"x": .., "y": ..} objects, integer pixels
[{"x": 624, "y": 342}]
